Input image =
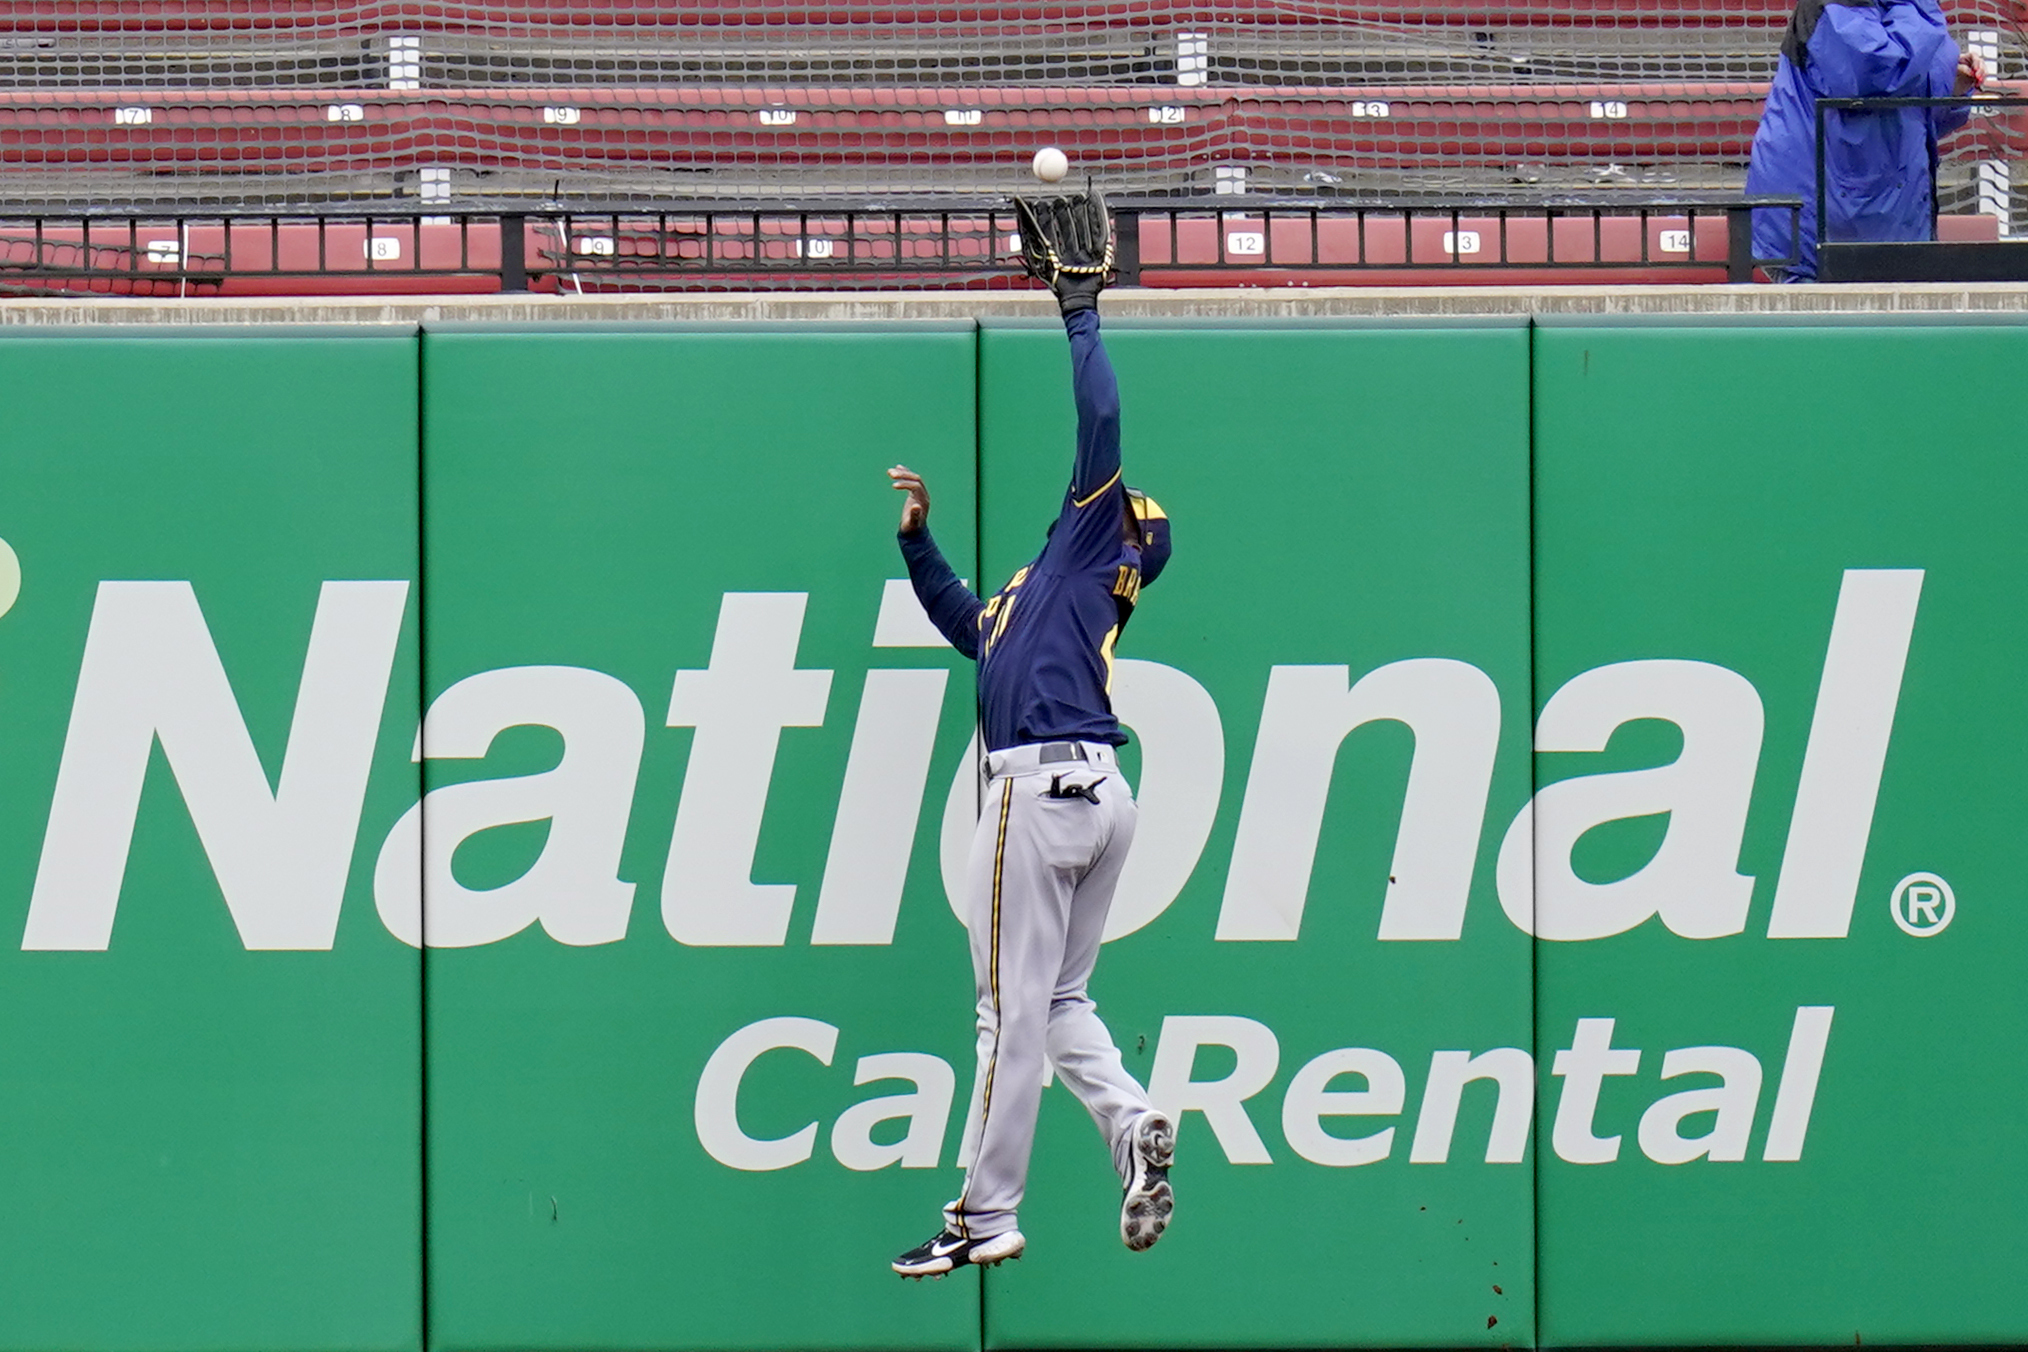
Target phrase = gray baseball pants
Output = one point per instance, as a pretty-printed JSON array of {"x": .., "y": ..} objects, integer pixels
[{"x": 1039, "y": 883}]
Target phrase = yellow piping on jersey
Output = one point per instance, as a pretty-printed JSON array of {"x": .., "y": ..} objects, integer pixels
[
  {"x": 1082, "y": 502},
  {"x": 1106, "y": 652}
]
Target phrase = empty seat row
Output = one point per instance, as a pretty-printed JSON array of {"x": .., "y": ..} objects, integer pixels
[
  {"x": 523, "y": 17},
  {"x": 753, "y": 142},
  {"x": 1397, "y": 127},
  {"x": 1139, "y": 54}
]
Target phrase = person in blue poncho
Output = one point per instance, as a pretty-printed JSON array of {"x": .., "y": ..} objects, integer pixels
[{"x": 1878, "y": 164}]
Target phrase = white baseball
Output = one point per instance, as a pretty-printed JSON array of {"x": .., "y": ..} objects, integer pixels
[{"x": 1051, "y": 164}]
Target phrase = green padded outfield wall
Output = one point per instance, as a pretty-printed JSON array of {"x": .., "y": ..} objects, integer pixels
[
  {"x": 1787, "y": 567},
  {"x": 1350, "y": 511},
  {"x": 696, "y": 1004},
  {"x": 698, "y": 1028},
  {"x": 209, "y": 1043}
]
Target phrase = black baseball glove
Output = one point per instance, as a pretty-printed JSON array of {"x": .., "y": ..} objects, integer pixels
[{"x": 1067, "y": 244}]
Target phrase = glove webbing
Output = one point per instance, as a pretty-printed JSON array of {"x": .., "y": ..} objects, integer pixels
[{"x": 1100, "y": 268}]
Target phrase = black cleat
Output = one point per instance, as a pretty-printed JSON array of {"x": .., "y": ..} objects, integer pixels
[
  {"x": 944, "y": 1251},
  {"x": 1145, "y": 1209}
]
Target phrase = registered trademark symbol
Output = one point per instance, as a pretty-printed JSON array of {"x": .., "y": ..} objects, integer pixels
[
  {"x": 10, "y": 577},
  {"x": 1922, "y": 904}
]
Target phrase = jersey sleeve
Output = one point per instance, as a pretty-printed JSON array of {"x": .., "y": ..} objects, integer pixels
[
  {"x": 949, "y": 603},
  {"x": 1087, "y": 530},
  {"x": 1097, "y": 393}
]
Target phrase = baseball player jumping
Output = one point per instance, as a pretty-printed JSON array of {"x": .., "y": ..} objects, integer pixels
[{"x": 1058, "y": 818}]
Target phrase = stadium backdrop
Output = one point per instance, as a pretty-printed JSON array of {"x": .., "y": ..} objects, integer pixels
[{"x": 686, "y": 1059}]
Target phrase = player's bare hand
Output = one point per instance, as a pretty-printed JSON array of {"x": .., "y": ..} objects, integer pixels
[
  {"x": 914, "y": 512},
  {"x": 1971, "y": 73}
]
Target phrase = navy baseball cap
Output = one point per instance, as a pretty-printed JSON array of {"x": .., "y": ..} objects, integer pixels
[{"x": 1154, "y": 524}]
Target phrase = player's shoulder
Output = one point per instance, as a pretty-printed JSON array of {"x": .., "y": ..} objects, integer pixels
[{"x": 1112, "y": 489}]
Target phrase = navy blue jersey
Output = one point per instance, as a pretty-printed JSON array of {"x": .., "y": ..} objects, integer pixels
[{"x": 1044, "y": 642}]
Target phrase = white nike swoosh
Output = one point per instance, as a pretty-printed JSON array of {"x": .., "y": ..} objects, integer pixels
[{"x": 941, "y": 1250}]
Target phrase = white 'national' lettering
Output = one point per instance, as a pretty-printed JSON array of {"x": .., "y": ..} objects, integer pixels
[
  {"x": 1693, "y": 881},
  {"x": 878, "y": 807},
  {"x": 280, "y": 845},
  {"x": 1849, "y": 732},
  {"x": 282, "y": 854},
  {"x": 739, "y": 705},
  {"x": 1182, "y": 742},
  {"x": 1454, "y": 711},
  {"x": 881, "y": 800},
  {"x": 573, "y": 887}
]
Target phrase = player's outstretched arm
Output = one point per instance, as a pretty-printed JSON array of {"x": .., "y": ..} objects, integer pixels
[
  {"x": 949, "y": 603},
  {"x": 1067, "y": 243},
  {"x": 1097, "y": 393}
]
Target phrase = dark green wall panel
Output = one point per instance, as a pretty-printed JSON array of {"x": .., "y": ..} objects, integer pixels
[
  {"x": 593, "y": 501},
  {"x": 1708, "y": 496},
  {"x": 206, "y": 1146}
]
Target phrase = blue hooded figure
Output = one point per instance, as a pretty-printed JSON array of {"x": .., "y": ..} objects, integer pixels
[{"x": 1879, "y": 165}]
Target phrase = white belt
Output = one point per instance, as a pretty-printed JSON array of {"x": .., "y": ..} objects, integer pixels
[{"x": 1021, "y": 760}]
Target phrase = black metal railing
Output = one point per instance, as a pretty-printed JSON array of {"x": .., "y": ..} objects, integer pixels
[
  {"x": 789, "y": 245},
  {"x": 933, "y": 243},
  {"x": 1609, "y": 235}
]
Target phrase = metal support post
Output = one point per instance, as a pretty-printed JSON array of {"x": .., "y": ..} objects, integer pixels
[{"x": 513, "y": 253}]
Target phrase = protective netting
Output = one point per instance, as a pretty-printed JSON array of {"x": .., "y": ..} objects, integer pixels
[{"x": 225, "y": 103}]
